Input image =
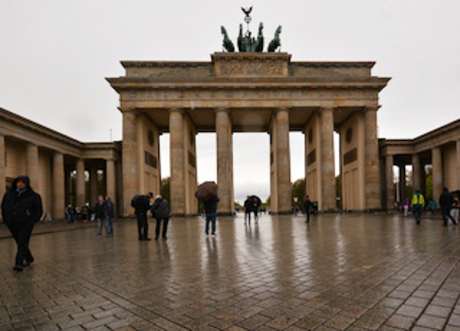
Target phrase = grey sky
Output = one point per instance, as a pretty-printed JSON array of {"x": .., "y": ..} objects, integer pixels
[{"x": 54, "y": 56}]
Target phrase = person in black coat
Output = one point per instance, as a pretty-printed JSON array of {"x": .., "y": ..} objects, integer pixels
[
  {"x": 21, "y": 209},
  {"x": 141, "y": 204},
  {"x": 445, "y": 202},
  {"x": 247, "y": 210},
  {"x": 307, "y": 206},
  {"x": 211, "y": 214},
  {"x": 160, "y": 211},
  {"x": 101, "y": 215}
]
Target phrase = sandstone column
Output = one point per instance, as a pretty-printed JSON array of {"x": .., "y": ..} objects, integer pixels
[
  {"x": 93, "y": 185},
  {"x": 402, "y": 181},
  {"x": 110, "y": 179},
  {"x": 2, "y": 167},
  {"x": 457, "y": 145},
  {"x": 283, "y": 161},
  {"x": 80, "y": 189},
  {"x": 327, "y": 160},
  {"x": 32, "y": 165},
  {"x": 224, "y": 161},
  {"x": 129, "y": 160},
  {"x": 415, "y": 172},
  {"x": 372, "y": 163},
  {"x": 58, "y": 186},
  {"x": 436, "y": 161},
  {"x": 177, "y": 161},
  {"x": 389, "y": 162}
]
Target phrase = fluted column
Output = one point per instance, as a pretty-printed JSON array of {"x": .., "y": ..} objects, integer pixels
[
  {"x": 389, "y": 162},
  {"x": 177, "y": 161},
  {"x": 81, "y": 198},
  {"x": 283, "y": 161},
  {"x": 372, "y": 163},
  {"x": 2, "y": 167},
  {"x": 93, "y": 185},
  {"x": 327, "y": 160},
  {"x": 436, "y": 161},
  {"x": 415, "y": 172},
  {"x": 58, "y": 186},
  {"x": 457, "y": 145},
  {"x": 32, "y": 165},
  {"x": 130, "y": 161},
  {"x": 110, "y": 179},
  {"x": 224, "y": 161}
]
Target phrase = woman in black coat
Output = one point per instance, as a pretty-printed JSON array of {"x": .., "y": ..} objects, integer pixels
[
  {"x": 21, "y": 209},
  {"x": 160, "y": 210}
]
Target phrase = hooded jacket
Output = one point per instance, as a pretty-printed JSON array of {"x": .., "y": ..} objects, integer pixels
[
  {"x": 445, "y": 199},
  {"x": 21, "y": 207},
  {"x": 160, "y": 208}
]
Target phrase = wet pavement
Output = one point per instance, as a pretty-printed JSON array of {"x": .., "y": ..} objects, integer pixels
[{"x": 350, "y": 272}]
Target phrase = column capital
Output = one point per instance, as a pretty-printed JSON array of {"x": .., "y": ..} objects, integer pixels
[
  {"x": 127, "y": 109},
  {"x": 222, "y": 109},
  {"x": 175, "y": 110},
  {"x": 327, "y": 108},
  {"x": 371, "y": 108},
  {"x": 280, "y": 109}
]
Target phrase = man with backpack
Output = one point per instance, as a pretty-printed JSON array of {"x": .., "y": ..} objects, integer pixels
[
  {"x": 417, "y": 203},
  {"x": 160, "y": 211},
  {"x": 141, "y": 204}
]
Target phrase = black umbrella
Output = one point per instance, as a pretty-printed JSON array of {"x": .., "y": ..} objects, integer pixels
[
  {"x": 256, "y": 200},
  {"x": 206, "y": 191}
]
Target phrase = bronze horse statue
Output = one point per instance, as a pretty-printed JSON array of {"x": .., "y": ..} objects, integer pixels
[
  {"x": 276, "y": 42},
  {"x": 227, "y": 43}
]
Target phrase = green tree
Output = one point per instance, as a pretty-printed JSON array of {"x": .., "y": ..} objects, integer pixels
[
  {"x": 166, "y": 189},
  {"x": 267, "y": 203},
  {"x": 298, "y": 191}
]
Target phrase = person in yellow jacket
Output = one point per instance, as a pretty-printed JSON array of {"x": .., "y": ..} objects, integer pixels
[{"x": 417, "y": 203}]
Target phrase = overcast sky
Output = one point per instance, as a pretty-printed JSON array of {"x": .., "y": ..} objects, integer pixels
[{"x": 55, "y": 55}]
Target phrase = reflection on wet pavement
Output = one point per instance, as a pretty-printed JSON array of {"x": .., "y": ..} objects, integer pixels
[{"x": 356, "y": 272}]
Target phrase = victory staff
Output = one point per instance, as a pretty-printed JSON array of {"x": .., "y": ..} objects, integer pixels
[{"x": 21, "y": 209}]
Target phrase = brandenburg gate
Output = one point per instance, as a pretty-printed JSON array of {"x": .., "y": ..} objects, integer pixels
[{"x": 252, "y": 92}]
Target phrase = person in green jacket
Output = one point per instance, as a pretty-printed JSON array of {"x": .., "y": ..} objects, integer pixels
[{"x": 417, "y": 203}]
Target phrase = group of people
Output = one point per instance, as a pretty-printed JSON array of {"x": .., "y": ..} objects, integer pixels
[{"x": 160, "y": 211}]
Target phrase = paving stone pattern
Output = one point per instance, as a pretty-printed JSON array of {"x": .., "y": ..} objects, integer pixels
[{"x": 351, "y": 272}]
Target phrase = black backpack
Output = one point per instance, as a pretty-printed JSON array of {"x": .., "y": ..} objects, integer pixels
[{"x": 134, "y": 201}]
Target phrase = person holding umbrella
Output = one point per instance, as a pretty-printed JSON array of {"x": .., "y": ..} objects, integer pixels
[
  {"x": 254, "y": 205},
  {"x": 207, "y": 192},
  {"x": 247, "y": 210}
]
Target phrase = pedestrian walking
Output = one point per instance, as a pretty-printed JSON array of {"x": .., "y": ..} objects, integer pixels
[
  {"x": 247, "y": 210},
  {"x": 455, "y": 207},
  {"x": 406, "y": 205},
  {"x": 21, "y": 209},
  {"x": 101, "y": 215},
  {"x": 160, "y": 211},
  {"x": 417, "y": 203},
  {"x": 445, "y": 202},
  {"x": 110, "y": 215},
  {"x": 141, "y": 204},
  {"x": 432, "y": 206},
  {"x": 306, "y": 206},
  {"x": 69, "y": 213},
  {"x": 211, "y": 214}
]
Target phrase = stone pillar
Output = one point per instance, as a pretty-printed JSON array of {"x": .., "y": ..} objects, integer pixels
[
  {"x": 110, "y": 179},
  {"x": 415, "y": 172},
  {"x": 457, "y": 145},
  {"x": 327, "y": 160},
  {"x": 436, "y": 161},
  {"x": 372, "y": 164},
  {"x": 224, "y": 161},
  {"x": 58, "y": 186},
  {"x": 2, "y": 167},
  {"x": 32, "y": 165},
  {"x": 402, "y": 181},
  {"x": 130, "y": 162},
  {"x": 80, "y": 189},
  {"x": 93, "y": 185},
  {"x": 177, "y": 161},
  {"x": 283, "y": 159},
  {"x": 389, "y": 162}
]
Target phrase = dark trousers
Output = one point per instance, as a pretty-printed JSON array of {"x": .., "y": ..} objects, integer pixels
[
  {"x": 165, "y": 227},
  {"x": 445, "y": 211},
  {"x": 142, "y": 225},
  {"x": 308, "y": 216},
  {"x": 21, "y": 233},
  {"x": 417, "y": 212}
]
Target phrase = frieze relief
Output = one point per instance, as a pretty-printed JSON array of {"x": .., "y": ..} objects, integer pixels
[
  {"x": 252, "y": 94},
  {"x": 251, "y": 69}
]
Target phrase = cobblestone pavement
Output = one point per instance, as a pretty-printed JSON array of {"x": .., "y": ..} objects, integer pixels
[{"x": 351, "y": 272}]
